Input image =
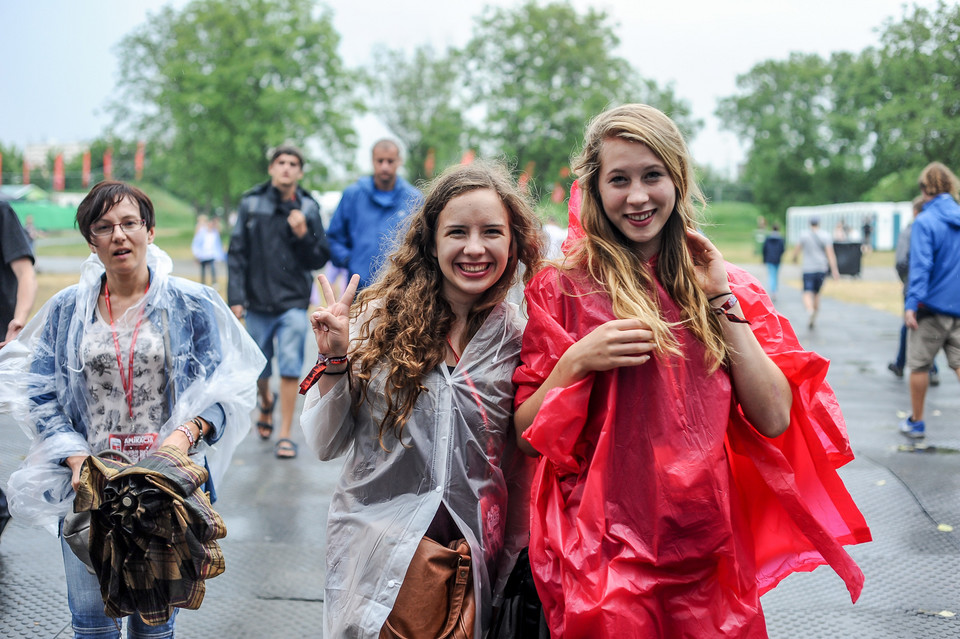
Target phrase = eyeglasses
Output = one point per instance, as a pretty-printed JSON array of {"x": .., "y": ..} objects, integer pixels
[{"x": 127, "y": 226}]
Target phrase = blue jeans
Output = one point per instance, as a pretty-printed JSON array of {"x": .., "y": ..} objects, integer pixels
[
  {"x": 290, "y": 331},
  {"x": 773, "y": 275},
  {"x": 86, "y": 607}
]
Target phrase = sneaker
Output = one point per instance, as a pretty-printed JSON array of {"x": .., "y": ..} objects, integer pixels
[
  {"x": 912, "y": 429},
  {"x": 896, "y": 370},
  {"x": 934, "y": 378}
]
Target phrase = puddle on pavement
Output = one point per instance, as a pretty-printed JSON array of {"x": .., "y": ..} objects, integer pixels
[{"x": 927, "y": 449}]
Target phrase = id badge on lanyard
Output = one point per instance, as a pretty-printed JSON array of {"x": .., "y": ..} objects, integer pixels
[{"x": 134, "y": 446}]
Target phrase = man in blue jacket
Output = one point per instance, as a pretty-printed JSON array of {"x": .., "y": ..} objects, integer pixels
[
  {"x": 276, "y": 244},
  {"x": 932, "y": 308},
  {"x": 370, "y": 213}
]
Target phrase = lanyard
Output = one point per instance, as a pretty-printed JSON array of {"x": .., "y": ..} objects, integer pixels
[{"x": 128, "y": 380}]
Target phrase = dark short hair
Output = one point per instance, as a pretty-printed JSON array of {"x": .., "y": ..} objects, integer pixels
[
  {"x": 286, "y": 149},
  {"x": 106, "y": 195}
]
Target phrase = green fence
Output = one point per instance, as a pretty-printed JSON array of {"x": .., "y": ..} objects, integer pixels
[{"x": 46, "y": 215}]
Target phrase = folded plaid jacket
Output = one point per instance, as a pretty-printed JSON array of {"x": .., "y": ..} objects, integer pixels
[{"x": 153, "y": 533}]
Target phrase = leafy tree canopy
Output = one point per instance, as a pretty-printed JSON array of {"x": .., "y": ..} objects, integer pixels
[
  {"x": 222, "y": 82},
  {"x": 421, "y": 99},
  {"x": 539, "y": 72},
  {"x": 832, "y": 130}
]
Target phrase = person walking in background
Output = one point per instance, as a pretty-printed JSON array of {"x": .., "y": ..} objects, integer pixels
[
  {"x": 902, "y": 264},
  {"x": 276, "y": 244},
  {"x": 207, "y": 247},
  {"x": 18, "y": 278},
  {"x": 932, "y": 307},
  {"x": 369, "y": 214},
  {"x": 819, "y": 260},
  {"x": 773, "y": 248},
  {"x": 417, "y": 393},
  {"x": 840, "y": 232},
  {"x": 18, "y": 291},
  {"x": 658, "y": 384},
  {"x": 130, "y": 359},
  {"x": 866, "y": 234}
]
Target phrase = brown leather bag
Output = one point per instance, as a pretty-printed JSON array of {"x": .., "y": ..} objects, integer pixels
[{"x": 436, "y": 599}]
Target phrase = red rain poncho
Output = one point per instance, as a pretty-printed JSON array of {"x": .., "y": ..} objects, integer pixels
[{"x": 658, "y": 511}]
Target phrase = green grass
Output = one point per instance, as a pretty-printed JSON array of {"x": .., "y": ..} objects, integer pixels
[{"x": 731, "y": 225}]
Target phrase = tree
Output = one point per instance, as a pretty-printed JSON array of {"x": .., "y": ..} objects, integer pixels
[
  {"x": 12, "y": 169},
  {"x": 540, "y": 72},
  {"x": 214, "y": 85},
  {"x": 915, "y": 100},
  {"x": 421, "y": 100},
  {"x": 854, "y": 126},
  {"x": 804, "y": 148}
]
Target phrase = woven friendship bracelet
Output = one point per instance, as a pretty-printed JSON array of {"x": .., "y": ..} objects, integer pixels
[
  {"x": 724, "y": 309},
  {"x": 319, "y": 368}
]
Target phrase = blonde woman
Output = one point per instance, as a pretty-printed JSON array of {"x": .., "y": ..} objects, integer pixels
[{"x": 669, "y": 404}]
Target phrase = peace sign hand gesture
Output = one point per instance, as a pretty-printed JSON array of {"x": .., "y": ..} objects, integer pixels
[{"x": 331, "y": 324}]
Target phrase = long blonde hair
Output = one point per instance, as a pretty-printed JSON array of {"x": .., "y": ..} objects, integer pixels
[
  {"x": 606, "y": 253},
  {"x": 407, "y": 319}
]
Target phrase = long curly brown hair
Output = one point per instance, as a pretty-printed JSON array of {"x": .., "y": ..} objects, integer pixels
[
  {"x": 406, "y": 319},
  {"x": 605, "y": 252}
]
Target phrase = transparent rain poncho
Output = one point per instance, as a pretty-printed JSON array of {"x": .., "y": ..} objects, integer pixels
[
  {"x": 459, "y": 450},
  {"x": 208, "y": 361}
]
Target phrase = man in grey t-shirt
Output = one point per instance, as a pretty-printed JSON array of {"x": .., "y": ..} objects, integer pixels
[{"x": 818, "y": 260}]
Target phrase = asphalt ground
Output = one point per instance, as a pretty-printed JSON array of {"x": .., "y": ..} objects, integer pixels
[{"x": 275, "y": 511}]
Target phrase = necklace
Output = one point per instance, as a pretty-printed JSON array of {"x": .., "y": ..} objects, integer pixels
[{"x": 126, "y": 381}]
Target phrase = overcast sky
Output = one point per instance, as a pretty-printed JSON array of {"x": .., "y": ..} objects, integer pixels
[{"x": 58, "y": 59}]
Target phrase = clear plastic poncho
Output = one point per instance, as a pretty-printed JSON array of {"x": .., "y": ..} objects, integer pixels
[
  {"x": 459, "y": 450},
  {"x": 210, "y": 360}
]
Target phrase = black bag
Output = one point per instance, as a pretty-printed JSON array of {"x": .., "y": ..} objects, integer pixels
[
  {"x": 76, "y": 525},
  {"x": 521, "y": 614}
]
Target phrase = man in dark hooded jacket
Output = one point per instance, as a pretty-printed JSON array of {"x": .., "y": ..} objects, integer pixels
[{"x": 276, "y": 244}]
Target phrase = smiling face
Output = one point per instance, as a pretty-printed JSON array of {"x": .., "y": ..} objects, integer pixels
[
  {"x": 473, "y": 244},
  {"x": 636, "y": 192},
  {"x": 122, "y": 253}
]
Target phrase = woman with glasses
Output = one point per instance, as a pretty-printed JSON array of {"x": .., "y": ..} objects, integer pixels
[{"x": 130, "y": 359}]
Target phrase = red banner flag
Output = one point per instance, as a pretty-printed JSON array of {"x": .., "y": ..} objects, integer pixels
[
  {"x": 26, "y": 172},
  {"x": 108, "y": 163},
  {"x": 558, "y": 193},
  {"x": 85, "y": 170},
  {"x": 58, "y": 177},
  {"x": 138, "y": 161},
  {"x": 525, "y": 176},
  {"x": 430, "y": 163},
  {"x": 468, "y": 157}
]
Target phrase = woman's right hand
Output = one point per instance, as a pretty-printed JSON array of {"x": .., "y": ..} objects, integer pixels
[
  {"x": 331, "y": 324},
  {"x": 620, "y": 342},
  {"x": 75, "y": 463}
]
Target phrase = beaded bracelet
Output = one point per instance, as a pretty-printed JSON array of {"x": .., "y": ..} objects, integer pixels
[
  {"x": 183, "y": 428},
  {"x": 199, "y": 423}
]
